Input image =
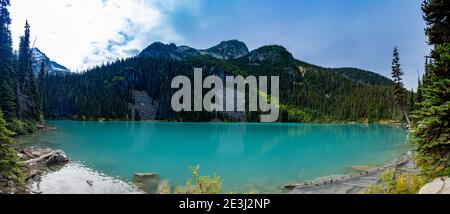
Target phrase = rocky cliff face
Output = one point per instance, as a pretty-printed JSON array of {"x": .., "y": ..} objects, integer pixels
[
  {"x": 38, "y": 58},
  {"x": 143, "y": 107}
]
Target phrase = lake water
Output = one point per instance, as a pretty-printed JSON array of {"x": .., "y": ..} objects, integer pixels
[{"x": 248, "y": 157}]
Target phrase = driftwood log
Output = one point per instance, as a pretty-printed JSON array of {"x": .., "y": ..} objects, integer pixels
[{"x": 54, "y": 157}]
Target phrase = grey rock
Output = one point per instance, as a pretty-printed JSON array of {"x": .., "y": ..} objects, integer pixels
[
  {"x": 147, "y": 182},
  {"x": 437, "y": 186},
  {"x": 57, "y": 158},
  {"x": 143, "y": 107},
  {"x": 34, "y": 175}
]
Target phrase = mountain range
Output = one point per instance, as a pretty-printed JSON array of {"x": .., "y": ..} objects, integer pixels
[
  {"x": 225, "y": 50},
  {"x": 308, "y": 93},
  {"x": 235, "y": 49}
]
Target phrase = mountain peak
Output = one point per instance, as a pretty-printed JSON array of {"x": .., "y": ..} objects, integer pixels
[
  {"x": 230, "y": 49},
  {"x": 159, "y": 49},
  {"x": 270, "y": 53},
  {"x": 38, "y": 57}
]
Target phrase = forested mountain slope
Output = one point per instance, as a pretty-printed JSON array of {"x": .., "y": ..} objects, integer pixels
[{"x": 308, "y": 93}]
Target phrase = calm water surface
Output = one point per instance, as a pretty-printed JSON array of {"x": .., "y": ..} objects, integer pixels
[{"x": 249, "y": 157}]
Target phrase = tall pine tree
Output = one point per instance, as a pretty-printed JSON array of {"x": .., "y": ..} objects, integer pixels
[
  {"x": 399, "y": 91},
  {"x": 28, "y": 106},
  {"x": 7, "y": 95},
  {"x": 41, "y": 86},
  {"x": 432, "y": 133}
]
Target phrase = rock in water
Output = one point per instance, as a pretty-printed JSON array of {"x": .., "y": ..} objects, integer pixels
[
  {"x": 57, "y": 158},
  {"x": 147, "y": 182},
  {"x": 438, "y": 186}
]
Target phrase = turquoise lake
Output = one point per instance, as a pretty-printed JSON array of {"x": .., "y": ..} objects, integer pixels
[{"x": 248, "y": 157}]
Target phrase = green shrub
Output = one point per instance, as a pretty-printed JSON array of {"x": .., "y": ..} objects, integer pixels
[
  {"x": 201, "y": 184},
  {"x": 404, "y": 183},
  {"x": 18, "y": 127},
  {"x": 30, "y": 126},
  {"x": 9, "y": 167}
]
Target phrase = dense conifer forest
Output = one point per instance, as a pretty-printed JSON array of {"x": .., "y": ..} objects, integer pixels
[{"x": 308, "y": 93}]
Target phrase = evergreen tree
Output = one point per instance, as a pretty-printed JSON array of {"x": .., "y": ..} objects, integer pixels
[
  {"x": 41, "y": 86},
  {"x": 7, "y": 95},
  {"x": 399, "y": 90},
  {"x": 412, "y": 101},
  {"x": 419, "y": 96},
  {"x": 432, "y": 133},
  {"x": 28, "y": 106},
  {"x": 9, "y": 167}
]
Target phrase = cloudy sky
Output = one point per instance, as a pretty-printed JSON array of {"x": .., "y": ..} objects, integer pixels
[{"x": 333, "y": 33}]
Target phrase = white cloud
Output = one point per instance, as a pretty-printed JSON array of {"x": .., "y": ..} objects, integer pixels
[{"x": 83, "y": 33}]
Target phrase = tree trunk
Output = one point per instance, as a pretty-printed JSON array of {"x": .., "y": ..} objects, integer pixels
[{"x": 407, "y": 118}]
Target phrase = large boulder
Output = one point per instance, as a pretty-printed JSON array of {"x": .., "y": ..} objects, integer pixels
[
  {"x": 438, "y": 186},
  {"x": 58, "y": 157},
  {"x": 147, "y": 182}
]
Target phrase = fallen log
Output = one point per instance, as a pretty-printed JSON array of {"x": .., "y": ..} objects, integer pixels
[
  {"x": 28, "y": 153},
  {"x": 54, "y": 157}
]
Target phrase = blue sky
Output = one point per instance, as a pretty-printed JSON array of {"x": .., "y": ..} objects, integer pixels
[{"x": 330, "y": 33}]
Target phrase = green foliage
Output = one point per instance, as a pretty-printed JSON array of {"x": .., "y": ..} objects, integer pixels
[
  {"x": 294, "y": 114},
  {"x": 18, "y": 127},
  {"x": 201, "y": 184},
  {"x": 9, "y": 166},
  {"x": 22, "y": 127},
  {"x": 7, "y": 100},
  {"x": 437, "y": 15},
  {"x": 398, "y": 184},
  {"x": 363, "y": 77},
  {"x": 432, "y": 133},
  {"x": 7, "y": 61},
  {"x": 28, "y": 97}
]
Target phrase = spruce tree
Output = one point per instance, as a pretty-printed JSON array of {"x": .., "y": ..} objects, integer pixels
[
  {"x": 432, "y": 133},
  {"x": 41, "y": 86},
  {"x": 28, "y": 106},
  {"x": 412, "y": 101},
  {"x": 399, "y": 90},
  {"x": 7, "y": 95},
  {"x": 419, "y": 96}
]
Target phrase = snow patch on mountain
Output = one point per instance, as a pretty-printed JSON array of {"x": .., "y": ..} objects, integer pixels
[{"x": 39, "y": 59}]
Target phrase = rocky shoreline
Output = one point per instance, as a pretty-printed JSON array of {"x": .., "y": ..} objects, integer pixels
[
  {"x": 352, "y": 183},
  {"x": 35, "y": 162},
  {"x": 39, "y": 162}
]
